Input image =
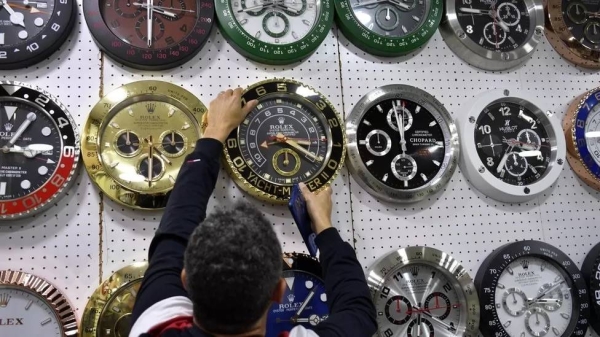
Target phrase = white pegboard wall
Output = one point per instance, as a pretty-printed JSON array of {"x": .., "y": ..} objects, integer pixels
[{"x": 64, "y": 246}]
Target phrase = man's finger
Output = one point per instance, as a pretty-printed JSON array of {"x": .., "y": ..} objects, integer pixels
[
  {"x": 229, "y": 92},
  {"x": 238, "y": 91},
  {"x": 249, "y": 106},
  {"x": 304, "y": 189}
]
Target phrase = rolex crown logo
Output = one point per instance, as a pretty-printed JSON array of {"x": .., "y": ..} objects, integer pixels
[
  {"x": 4, "y": 299},
  {"x": 414, "y": 271},
  {"x": 291, "y": 298},
  {"x": 281, "y": 120},
  {"x": 525, "y": 264},
  {"x": 8, "y": 127},
  {"x": 151, "y": 107}
]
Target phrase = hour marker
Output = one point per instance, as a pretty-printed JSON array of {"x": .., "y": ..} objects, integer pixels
[
  {"x": 115, "y": 125},
  {"x": 491, "y": 116},
  {"x": 171, "y": 112},
  {"x": 25, "y": 184},
  {"x": 362, "y": 142},
  {"x": 565, "y": 316},
  {"x": 366, "y": 122},
  {"x": 543, "y": 266},
  {"x": 555, "y": 330},
  {"x": 295, "y": 36},
  {"x": 185, "y": 126},
  {"x": 379, "y": 108},
  {"x": 432, "y": 123},
  {"x": 246, "y": 121},
  {"x": 306, "y": 22},
  {"x": 511, "y": 39},
  {"x": 502, "y": 173},
  {"x": 481, "y": 41},
  {"x": 423, "y": 176},
  {"x": 10, "y": 110},
  {"x": 371, "y": 26},
  {"x": 42, "y": 170},
  {"x": 107, "y": 144},
  {"x": 323, "y": 298},
  {"x": 308, "y": 174},
  {"x": 171, "y": 179},
  {"x": 417, "y": 109},
  {"x": 133, "y": 292},
  {"x": 46, "y": 131},
  {"x": 243, "y": 22},
  {"x": 38, "y": 22},
  {"x": 455, "y": 306},
  {"x": 130, "y": 112},
  {"x": 23, "y": 34},
  {"x": 509, "y": 270},
  {"x": 1, "y": 38},
  {"x": 507, "y": 324},
  {"x": 260, "y": 106},
  {"x": 308, "y": 284},
  {"x": 439, "y": 143},
  {"x": 28, "y": 305},
  {"x": 404, "y": 29},
  {"x": 406, "y": 183},
  {"x": 257, "y": 35},
  {"x": 3, "y": 188},
  {"x": 436, "y": 163},
  {"x": 290, "y": 282},
  {"x": 416, "y": 18},
  {"x": 288, "y": 181},
  {"x": 46, "y": 321},
  {"x": 385, "y": 178},
  {"x": 242, "y": 142},
  {"x": 501, "y": 286},
  {"x": 369, "y": 163},
  {"x": 557, "y": 278},
  {"x": 267, "y": 176},
  {"x": 315, "y": 119},
  {"x": 116, "y": 309},
  {"x": 250, "y": 162}
]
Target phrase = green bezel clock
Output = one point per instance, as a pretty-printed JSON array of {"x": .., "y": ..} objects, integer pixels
[
  {"x": 388, "y": 28},
  {"x": 275, "y": 32}
]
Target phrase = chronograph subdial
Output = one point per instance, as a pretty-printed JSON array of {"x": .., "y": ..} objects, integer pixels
[
  {"x": 438, "y": 305},
  {"x": 151, "y": 168},
  {"x": 404, "y": 112},
  {"x": 592, "y": 32},
  {"x": 276, "y": 24},
  {"x": 577, "y": 12},
  {"x": 127, "y": 143},
  {"x": 491, "y": 146},
  {"x": 509, "y": 13},
  {"x": 404, "y": 167},
  {"x": 126, "y": 9},
  {"x": 158, "y": 28},
  {"x": 516, "y": 165},
  {"x": 173, "y": 143},
  {"x": 387, "y": 18},
  {"x": 537, "y": 322},
  {"x": 553, "y": 297},
  {"x": 514, "y": 302},
  {"x": 494, "y": 35},
  {"x": 398, "y": 310},
  {"x": 529, "y": 140},
  {"x": 420, "y": 327},
  {"x": 286, "y": 162},
  {"x": 378, "y": 142}
]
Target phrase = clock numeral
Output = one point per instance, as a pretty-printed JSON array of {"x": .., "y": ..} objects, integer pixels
[
  {"x": 447, "y": 287},
  {"x": 333, "y": 122},
  {"x": 42, "y": 100},
  {"x": 115, "y": 24},
  {"x": 232, "y": 143},
  {"x": 261, "y": 91},
  {"x": 282, "y": 87},
  {"x": 31, "y": 201},
  {"x": 3, "y": 55},
  {"x": 321, "y": 105},
  {"x": 183, "y": 28},
  {"x": 33, "y": 47},
  {"x": 57, "y": 180},
  {"x": 170, "y": 40},
  {"x": 55, "y": 27},
  {"x": 384, "y": 292},
  {"x": 485, "y": 129},
  {"x": 388, "y": 333}
]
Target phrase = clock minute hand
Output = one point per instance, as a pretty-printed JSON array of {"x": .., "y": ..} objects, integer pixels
[
  {"x": 304, "y": 304},
  {"x": 474, "y": 10},
  {"x": 150, "y": 19}
]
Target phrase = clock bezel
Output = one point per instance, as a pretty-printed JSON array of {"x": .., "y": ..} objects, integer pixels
[
  {"x": 591, "y": 273},
  {"x": 470, "y": 163},
  {"x": 485, "y": 59},
  {"x": 52, "y": 297},
  {"x": 359, "y": 169}
]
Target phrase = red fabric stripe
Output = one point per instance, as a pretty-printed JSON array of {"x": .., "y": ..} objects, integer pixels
[{"x": 178, "y": 323}]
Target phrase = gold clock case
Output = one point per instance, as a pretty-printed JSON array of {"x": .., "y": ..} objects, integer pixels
[
  {"x": 48, "y": 293},
  {"x": 109, "y": 308},
  {"x": 142, "y": 114}
]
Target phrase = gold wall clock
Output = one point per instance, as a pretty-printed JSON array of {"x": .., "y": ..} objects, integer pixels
[
  {"x": 136, "y": 139},
  {"x": 294, "y": 135},
  {"x": 30, "y": 306},
  {"x": 108, "y": 312}
]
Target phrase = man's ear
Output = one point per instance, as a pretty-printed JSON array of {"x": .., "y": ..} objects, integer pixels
[
  {"x": 184, "y": 278},
  {"x": 279, "y": 291}
]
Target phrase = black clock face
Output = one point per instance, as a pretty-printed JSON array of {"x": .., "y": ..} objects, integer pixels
[
  {"x": 392, "y": 19},
  {"x": 496, "y": 25},
  {"x": 512, "y": 143},
  {"x": 284, "y": 141},
  {"x": 26, "y": 22},
  {"x": 582, "y": 22},
  {"x": 405, "y": 157},
  {"x": 31, "y": 161}
]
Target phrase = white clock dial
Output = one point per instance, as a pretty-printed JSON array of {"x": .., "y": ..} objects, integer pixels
[
  {"x": 533, "y": 298},
  {"x": 282, "y": 23},
  {"x": 23, "y": 313},
  {"x": 592, "y": 133}
]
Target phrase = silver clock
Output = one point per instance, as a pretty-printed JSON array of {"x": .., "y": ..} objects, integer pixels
[
  {"x": 493, "y": 34},
  {"x": 423, "y": 291},
  {"x": 402, "y": 143}
]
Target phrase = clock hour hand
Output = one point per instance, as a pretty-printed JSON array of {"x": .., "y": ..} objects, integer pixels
[
  {"x": 504, "y": 159},
  {"x": 475, "y": 10},
  {"x": 31, "y": 117},
  {"x": 304, "y": 304},
  {"x": 283, "y": 139}
]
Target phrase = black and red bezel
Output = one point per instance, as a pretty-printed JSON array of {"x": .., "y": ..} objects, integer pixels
[
  {"x": 46, "y": 42},
  {"x": 591, "y": 273},
  {"x": 488, "y": 275},
  {"x": 150, "y": 59},
  {"x": 257, "y": 185},
  {"x": 63, "y": 177}
]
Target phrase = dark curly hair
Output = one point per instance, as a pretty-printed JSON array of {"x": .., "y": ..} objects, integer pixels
[{"x": 233, "y": 263}]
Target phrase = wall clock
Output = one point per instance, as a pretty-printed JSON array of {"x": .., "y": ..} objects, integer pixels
[
  {"x": 108, "y": 312},
  {"x": 388, "y": 28},
  {"x": 32, "y": 30},
  {"x": 591, "y": 274},
  {"x": 573, "y": 30},
  {"x": 582, "y": 131},
  {"x": 39, "y": 150},
  {"x": 305, "y": 301},
  {"x": 275, "y": 32},
  {"x": 422, "y": 291},
  {"x": 136, "y": 139},
  {"x": 512, "y": 150},
  {"x": 531, "y": 289},
  {"x": 402, "y": 143},
  {"x": 493, "y": 35},
  {"x": 153, "y": 36},
  {"x": 294, "y": 135},
  {"x": 30, "y": 306}
]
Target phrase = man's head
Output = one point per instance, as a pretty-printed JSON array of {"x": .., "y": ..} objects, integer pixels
[{"x": 233, "y": 268}]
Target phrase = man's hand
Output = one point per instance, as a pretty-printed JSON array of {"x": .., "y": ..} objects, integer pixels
[
  {"x": 225, "y": 113},
  {"x": 319, "y": 208}
]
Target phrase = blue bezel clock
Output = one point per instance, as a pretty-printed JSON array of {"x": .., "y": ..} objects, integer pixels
[
  {"x": 582, "y": 145},
  {"x": 304, "y": 302}
]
